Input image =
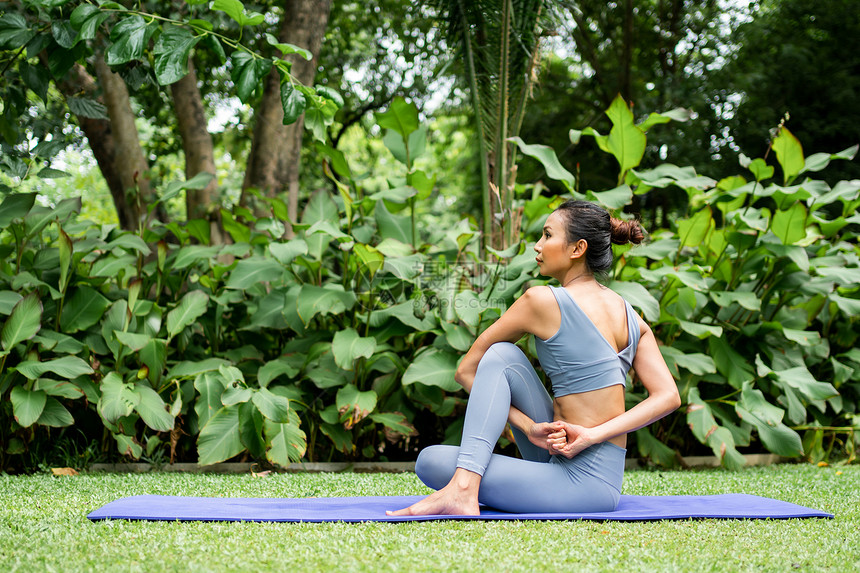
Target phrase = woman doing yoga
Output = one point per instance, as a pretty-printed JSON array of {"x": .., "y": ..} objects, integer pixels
[{"x": 587, "y": 338}]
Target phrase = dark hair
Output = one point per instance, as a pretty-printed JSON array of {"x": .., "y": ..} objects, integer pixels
[{"x": 588, "y": 221}]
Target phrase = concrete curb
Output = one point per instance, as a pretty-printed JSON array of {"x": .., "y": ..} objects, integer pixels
[{"x": 376, "y": 467}]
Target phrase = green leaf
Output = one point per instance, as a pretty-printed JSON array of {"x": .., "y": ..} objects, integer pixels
[
  {"x": 761, "y": 170},
  {"x": 253, "y": 270},
  {"x": 23, "y": 323},
  {"x": 272, "y": 369},
  {"x": 286, "y": 442},
  {"x": 82, "y": 310},
  {"x": 693, "y": 231},
  {"x": 111, "y": 266},
  {"x": 748, "y": 300},
  {"x": 68, "y": 367},
  {"x": 626, "y": 141},
  {"x": 219, "y": 440},
  {"x": 171, "y": 53},
  {"x": 236, "y": 10},
  {"x": 394, "y": 421},
  {"x": 287, "y": 49},
  {"x": 700, "y": 331},
  {"x": 117, "y": 400},
  {"x": 235, "y": 395},
  {"x": 58, "y": 388},
  {"x": 729, "y": 363},
  {"x": 8, "y": 300},
  {"x": 189, "y": 309},
  {"x": 152, "y": 409},
  {"x": 14, "y": 31},
  {"x": 677, "y": 114},
  {"x": 187, "y": 368},
  {"x": 27, "y": 405},
  {"x": 655, "y": 450},
  {"x": 638, "y": 296},
  {"x": 547, "y": 157},
  {"x": 699, "y": 416},
  {"x": 612, "y": 199},
  {"x": 275, "y": 408},
  {"x": 329, "y": 299},
  {"x": 15, "y": 206},
  {"x": 401, "y": 117},
  {"x": 433, "y": 367},
  {"x": 129, "y": 38},
  {"x": 354, "y": 405},
  {"x": 210, "y": 386},
  {"x": 55, "y": 415},
  {"x": 154, "y": 356},
  {"x": 251, "y": 429},
  {"x": 347, "y": 347},
  {"x": 88, "y": 108},
  {"x": 789, "y": 153},
  {"x": 790, "y": 225},
  {"x": 248, "y": 73},
  {"x": 293, "y": 102},
  {"x": 392, "y": 226},
  {"x": 86, "y": 19},
  {"x": 63, "y": 33},
  {"x": 802, "y": 380}
]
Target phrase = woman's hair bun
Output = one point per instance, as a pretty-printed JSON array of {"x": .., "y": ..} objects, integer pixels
[{"x": 624, "y": 232}]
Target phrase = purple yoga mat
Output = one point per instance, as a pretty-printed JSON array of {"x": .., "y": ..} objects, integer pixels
[{"x": 354, "y": 509}]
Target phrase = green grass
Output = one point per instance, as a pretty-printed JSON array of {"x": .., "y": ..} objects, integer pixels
[{"x": 43, "y": 527}]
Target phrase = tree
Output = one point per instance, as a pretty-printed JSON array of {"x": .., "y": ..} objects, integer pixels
[
  {"x": 498, "y": 43},
  {"x": 800, "y": 58}
]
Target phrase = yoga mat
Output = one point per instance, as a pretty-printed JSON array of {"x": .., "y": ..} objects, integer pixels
[{"x": 356, "y": 509}]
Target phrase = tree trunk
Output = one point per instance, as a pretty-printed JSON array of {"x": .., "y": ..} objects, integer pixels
[
  {"x": 274, "y": 160},
  {"x": 129, "y": 161},
  {"x": 199, "y": 151},
  {"x": 100, "y": 137}
]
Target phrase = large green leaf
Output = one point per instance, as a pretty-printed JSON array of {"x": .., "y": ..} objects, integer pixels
[
  {"x": 392, "y": 226},
  {"x": 655, "y": 450},
  {"x": 210, "y": 385},
  {"x": 547, "y": 157},
  {"x": 152, "y": 409},
  {"x": 271, "y": 370},
  {"x": 348, "y": 346},
  {"x": 15, "y": 32},
  {"x": 396, "y": 422},
  {"x": 401, "y": 117},
  {"x": 802, "y": 380},
  {"x": 638, "y": 296},
  {"x": 27, "y": 405},
  {"x": 789, "y": 153},
  {"x": 219, "y": 439},
  {"x": 790, "y": 225},
  {"x": 251, "y": 429},
  {"x": 692, "y": 231},
  {"x": 433, "y": 367},
  {"x": 68, "y": 367},
  {"x": 253, "y": 270},
  {"x": 353, "y": 405},
  {"x": 729, "y": 363},
  {"x": 55, "y": 415},
  {"x": 748, "y": 300},
  {"x": 171, "y": 54},
  {"x": 286, "y": 252},
  {"x": 15, "y": 206},
  {"x": 236, "y": 10},
  {"x": 248, "y": 73},
  {"x": 275, "y": 408},
  {"x": 699, "y": 416},
  {"x": 86, "y": 19},
  {"x": 293, "y": 102},
  {"x": 626, "y": 141},
  {"x": 117, "y": 399},
  {"x": 329, "y": 299},
  {"x": 129, "y": 38},
  {"x": 778, "y": 438},
  {"x": 286, "y": 442},
  {"x": 82, "y": 310},
  {"x": 23, "y": 323},
  {"x": 189, "y": 309}
]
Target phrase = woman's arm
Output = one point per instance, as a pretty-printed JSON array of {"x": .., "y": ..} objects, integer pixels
[
  {"x": 526, "y": 316},
  {"x": 663, "y": 398}
]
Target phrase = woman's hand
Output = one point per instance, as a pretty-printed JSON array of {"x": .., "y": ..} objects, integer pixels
[
  {"x": 571, "y": 440},
  {"x": 546, "y": 435}
]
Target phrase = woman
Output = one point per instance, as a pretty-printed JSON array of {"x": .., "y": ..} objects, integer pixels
[{"x": 587, "y": 338}]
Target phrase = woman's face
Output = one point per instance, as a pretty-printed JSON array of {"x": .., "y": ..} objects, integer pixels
[{"x": 553, "y": 250}]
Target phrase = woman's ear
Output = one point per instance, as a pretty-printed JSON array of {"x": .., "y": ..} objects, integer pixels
[{"x": 579, "y": 248}]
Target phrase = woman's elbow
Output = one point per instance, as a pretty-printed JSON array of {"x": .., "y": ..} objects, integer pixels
[{"x": 673, "y": 399}]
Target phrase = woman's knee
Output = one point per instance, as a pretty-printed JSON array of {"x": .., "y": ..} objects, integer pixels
[
  {"x": 502, "y": 354},
  {"x": 435, "y": 465}
]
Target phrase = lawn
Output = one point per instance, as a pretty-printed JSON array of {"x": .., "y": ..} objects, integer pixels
[{"x": 43, "y": 527}]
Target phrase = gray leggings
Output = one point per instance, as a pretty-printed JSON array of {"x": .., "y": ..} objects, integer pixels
[{"x": 539, "y": 483}]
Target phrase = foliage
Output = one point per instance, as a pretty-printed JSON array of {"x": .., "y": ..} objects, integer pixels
[
  {"x": 342, "y": 342},
  {"x": 753, "y": 295}
]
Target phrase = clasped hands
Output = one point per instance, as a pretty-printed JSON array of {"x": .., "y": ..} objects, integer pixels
[{"x": 560, "y": 437}]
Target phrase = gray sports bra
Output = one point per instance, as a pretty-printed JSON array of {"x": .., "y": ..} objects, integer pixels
[{"x": 578, "y": 358}]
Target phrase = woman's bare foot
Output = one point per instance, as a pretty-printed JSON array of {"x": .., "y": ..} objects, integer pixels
[{"x": 459, "y": 497}]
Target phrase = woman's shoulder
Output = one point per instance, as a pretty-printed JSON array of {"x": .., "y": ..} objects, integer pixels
[{"x": 539, "y": 295}]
